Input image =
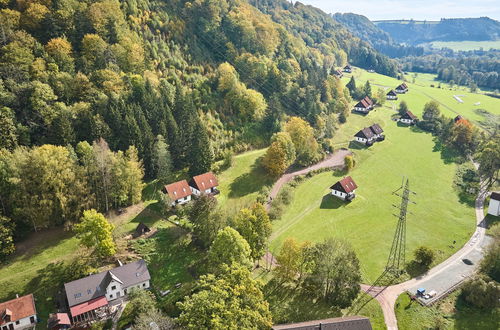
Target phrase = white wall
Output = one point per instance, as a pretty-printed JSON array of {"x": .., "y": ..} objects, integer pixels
[
  {"x": 113, "y": 294},
  {"x": 406, "y": 121},
  {"x": 359, "y": 139},
  {"x": 23, "y": 324},
  {"x": 494, "y": 208},
  {"x": 182, "y": 200}
]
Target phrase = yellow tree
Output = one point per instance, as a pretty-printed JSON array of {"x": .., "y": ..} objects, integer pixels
[
  {"x": 302, "y": 135},
  {"x": 59, "y": 50},
  {"x": 280, "y": 155},
  {"x": 94, "y": 231}
]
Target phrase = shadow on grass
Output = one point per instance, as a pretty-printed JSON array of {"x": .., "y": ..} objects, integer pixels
[
  {"x": 151, "y": 191},
  {"x": 331, "y": 202},
  {"x": 414, "y": 269},
  {"x": 250, "y": 182},
  {"x": 490, "y": 221},
  {"x": 448, "y": 155},
  {"x": 468, "y": 317},
  {"x": 289, "y": 304},
  {"x": 467, "y": 199},
  {"x": 356, "y": 145}
]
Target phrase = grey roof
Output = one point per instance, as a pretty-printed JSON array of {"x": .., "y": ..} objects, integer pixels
[
  {"x": 495, "y": 195},
  {"x": 376, "y": 129},
  {"x": 365, "y": 133},
  {"x": 339, "y": 323},
  {"x": 392, "y": 92},
  {"x": 94, "y": 286}
]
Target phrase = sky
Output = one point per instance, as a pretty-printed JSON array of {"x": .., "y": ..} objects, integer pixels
[{"x": 407, "y": 9}]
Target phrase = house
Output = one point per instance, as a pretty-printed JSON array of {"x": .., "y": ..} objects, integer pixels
[
  {"x": 205, "y": 183},
  {"x": 365, "y": 136},
  {"x": 339, "y": 323},
  {"x": 18, "y": 313},
  {"x": 457, "y": 119},
  {"x": 377, "y": 132},
  {"x": 344, "y": 189},
  {"x": 408, "y": 118},
  {"x": 93, "y": 297},
  {"x": 494, "y": 207},
  {"x": 59, "y": 321},
  {"x": 348, "y": 69},
  {"x": 392, "y": 95},
  {"x": 141, "y": 229},
  {"x": 402, "y": 89},
  {"x": 365, "y": 105},
  {"x": 338, "y": 73},
  {"x": 179, "y": 192}
]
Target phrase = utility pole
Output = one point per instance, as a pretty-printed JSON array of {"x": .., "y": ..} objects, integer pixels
[{"x": 396, "y": 261}]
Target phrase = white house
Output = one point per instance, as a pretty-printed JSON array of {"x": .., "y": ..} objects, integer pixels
[
  {"x": 89, "y": 298},
  {"x": 392, "y": 95},
  {"x": 402, "y": 89},
  {"x": 348, "y": 69},
  {"x": 18, "y": 313},
  {"x": 365, "y": 136},
  {"x": 408, "y": 118},
  {"x": 494, "y": 207},
  {"x": 205, "y": 183},
  {"x": 365, "y": 105},
  {"x": 179, "y": 192},
  {"x": 344, "y": 189}
]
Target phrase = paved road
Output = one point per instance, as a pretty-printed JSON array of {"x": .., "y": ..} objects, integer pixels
[
  {"x": 387, "y": 298},
  {"x": 333, "y": 160}
]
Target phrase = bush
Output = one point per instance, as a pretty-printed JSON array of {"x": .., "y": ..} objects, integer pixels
[
  {"x": 490, "y": 264},
  {"x": 424, "y": 256},
  {"x": 349, "y": 163},
  {"x": 482, "y": 292}
]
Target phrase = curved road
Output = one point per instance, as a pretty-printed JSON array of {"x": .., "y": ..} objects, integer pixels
[{"x": 387, "y": 298}]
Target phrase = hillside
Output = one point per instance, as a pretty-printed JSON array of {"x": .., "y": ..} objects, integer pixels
[{"x": 456, "y": 29}]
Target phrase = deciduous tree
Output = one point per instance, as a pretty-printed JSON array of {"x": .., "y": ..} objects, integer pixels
[
  {"x": 280, "y": 155},
  {"x": 424, "y": 256},
  {"x": 94, "y": 231},
  {"x": 255, "y": 227},
  {"x": 6, "y": 241},
  {"x": 229, "y": 247},
  {"x": 302, "y": 135}
]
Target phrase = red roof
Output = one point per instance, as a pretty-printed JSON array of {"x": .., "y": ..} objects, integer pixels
[
  {"x": 18, "y": 308},
  {"x": 178, "y": 190},
  {"x": 88, "y": 306},
  {"x": 409, "y": 115},
  {"x": 365, "y": 103},
  {"x": 347, "y": 185},
  {"x": 204, "y": 181}
]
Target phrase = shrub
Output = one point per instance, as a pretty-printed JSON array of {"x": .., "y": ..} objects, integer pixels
[
  {"x": 424, "y": 256},
  {"x": 349, "y": 163},
  {"x": 482, "y": 292}
]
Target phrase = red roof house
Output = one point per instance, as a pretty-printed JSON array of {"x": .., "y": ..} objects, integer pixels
[
  {"x": 179, "y": 192},
  {"x": 18, "y": 313},
  {"x": 344, "y": 189},
  {"x": 205, "y": 183}
]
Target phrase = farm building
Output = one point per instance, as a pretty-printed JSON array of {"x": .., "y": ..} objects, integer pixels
[
  {"x": 93, "y": 297},
  {"x": 408, "y": 118},
  {"x": 365, "y": 105},
  {"x": 338, "y": 73},
  {"x": 344, "y": 189},
  {"x": 494, "y": 207},
  {"x": 365, "y": 136},
  {"x": 348, "y": 69},
  {"x": 141, "y": 229},
  {"x": 205, "y": 183},
  {"x": 179, "y": 192},
  {"x": 18, "y": 313},
  {"x": 392, "y": 95},
  {"x": 339, "y": 323},
  {"x": 402, "y": 89}
]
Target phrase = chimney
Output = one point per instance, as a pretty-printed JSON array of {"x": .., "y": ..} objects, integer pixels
[
  {"x": 120, "y": 263},
  {"x": 17, "y": 295}
]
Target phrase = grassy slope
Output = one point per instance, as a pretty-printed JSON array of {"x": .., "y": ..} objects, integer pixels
[
  {"x": 367, "y": 222},
  {"x": 466, "y": 45},
  {"x": 451, "y": 313},
  {"x": 421, "y": 92}
]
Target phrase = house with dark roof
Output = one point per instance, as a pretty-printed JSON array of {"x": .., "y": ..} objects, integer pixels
[
  {"x": 365, "y": 105},
  {"x": 91, "y": 298},
  {"x": 205, "y": 183},
  {"x": 18, "y": 313},
  {"x": 494, "y": 207},
  {"x": 348, "y": 69},
  {"x": 344, "y": 189},
  {"x": 337, "y": 73},
  {"x": 339, "y": 323},
  {"x": 392, "y": 95},
  {"x": 457, "y": 118},
  {"x": 377, "y": 132},
  {"x": 141, "y": 229},
  {"x": 179, "y": 192},
  {"x": 365, "y": 136},
  {"x": 408, "y": 118},
  {"x": 402, "y": 88}
]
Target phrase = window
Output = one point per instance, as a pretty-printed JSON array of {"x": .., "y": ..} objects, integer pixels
[
  {"x": 125, "y": 291},
  {"x": 78, "y": 295},
  {"x": 143, "y": 285},
  {"x": 89, "y": 291},
  {"x": 113, "y": 287},
  {"x": 32, "y": 319},
  {"x": 17, "y": 322},
  {"x": 110, "y": 296}
]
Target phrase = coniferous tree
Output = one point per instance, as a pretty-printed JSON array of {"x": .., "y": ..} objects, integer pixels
[{"x": 201, "y": 154}]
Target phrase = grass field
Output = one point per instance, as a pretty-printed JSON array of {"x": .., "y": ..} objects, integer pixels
[
  {"x": 450, "y": 313},
  {"x": 479, "y": 108},
  {"x": 466, "y": 45},
  {"x": 368, "y": 222}
]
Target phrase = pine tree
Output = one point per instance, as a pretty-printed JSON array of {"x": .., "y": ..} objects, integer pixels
[
  {"x": 201, "y": 154},
  {"x": 161, "y": 160}
]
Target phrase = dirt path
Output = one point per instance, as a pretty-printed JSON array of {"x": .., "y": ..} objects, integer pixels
[
  {"x": 387, "y": 298},
  {"x": 333, "y": 160}
]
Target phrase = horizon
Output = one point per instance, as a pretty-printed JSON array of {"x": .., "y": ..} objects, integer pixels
[{"x": 417, "y": 10}]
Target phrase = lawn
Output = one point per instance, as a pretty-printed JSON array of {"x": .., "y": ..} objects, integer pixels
[
  {"x": 466, "y": 45},
  {"x": 240, "y": 184},
  {"x": 450, "y": 313},
  {"x": 477, "y": 107},
  {"x": 438, "y": 218}
]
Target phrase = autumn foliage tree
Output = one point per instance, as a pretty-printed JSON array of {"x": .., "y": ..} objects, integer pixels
[
  {"x": 280, "y": 154},
  {"x": 302, "y": 135},
  {"x": 255, "y": 226},
  {"x": 94, "y": 231}
]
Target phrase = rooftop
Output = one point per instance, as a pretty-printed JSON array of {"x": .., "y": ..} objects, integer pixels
[
  {"x": 17, "y": 309},
  {"x": 178, "y": 190}
]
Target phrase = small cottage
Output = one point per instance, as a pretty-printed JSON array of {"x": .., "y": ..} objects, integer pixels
[
  {"x": 402, "y": 89},
  {"x": 364, "y": 106},
  {"x": 494, "y": 207},
  {"x": 348, "y": 69},
  {"x": 458, "y": 118},
  {"x": 344, "y": 189},
  {"x": 408, "y": 118},
  {"x": 18, "y": 313},
  {"x": 392, "y": 95},
  {"x": 205, "y": 183},
  {"x": 337, "y": 73},
  {"x": 377, "y": 132},
  {"x": 141, "y": 229},
  {"x": 179, "y": 192},
  {"x": 365, "y": 136}
]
